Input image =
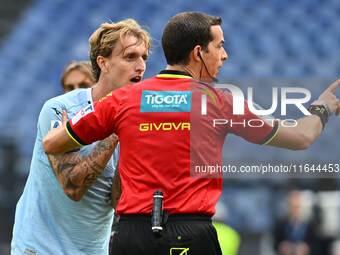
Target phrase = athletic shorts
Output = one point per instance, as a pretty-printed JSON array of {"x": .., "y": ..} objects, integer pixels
[{"x": 183, "y": 234}]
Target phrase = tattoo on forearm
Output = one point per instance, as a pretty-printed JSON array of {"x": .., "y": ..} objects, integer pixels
[
  {"x": 116, "y": 189},
  {"x": 76, "y": 175}
]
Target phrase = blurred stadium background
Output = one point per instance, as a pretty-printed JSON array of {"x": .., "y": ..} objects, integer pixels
[{"x": 296, "y": 41}]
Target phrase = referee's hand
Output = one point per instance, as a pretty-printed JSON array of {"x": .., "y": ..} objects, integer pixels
[{"x": 329, "y": 97}]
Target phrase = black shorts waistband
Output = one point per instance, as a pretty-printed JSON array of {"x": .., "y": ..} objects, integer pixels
[{"x": 171, "y": 217}]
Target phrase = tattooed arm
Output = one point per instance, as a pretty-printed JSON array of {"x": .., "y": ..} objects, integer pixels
[
  {"x": 76, "y": 175},
  {"x": 116, "y": 191}
]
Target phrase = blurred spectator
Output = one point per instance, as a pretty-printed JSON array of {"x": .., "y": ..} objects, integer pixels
[
  {"x": 77, "y": 75},
  {"x": 295, "y": 234},
  {"x": 228, "y": 238}
]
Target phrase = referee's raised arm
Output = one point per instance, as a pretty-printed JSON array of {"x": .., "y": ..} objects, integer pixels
[{"x": 308, "y": 128}]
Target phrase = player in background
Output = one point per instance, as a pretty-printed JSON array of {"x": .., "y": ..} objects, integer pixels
[
  {"x": 76, "y": 75},
  {"x": 47, "y": 221}
]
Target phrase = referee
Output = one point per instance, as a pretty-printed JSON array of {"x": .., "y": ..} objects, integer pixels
[{"x": 163, "y": 136}]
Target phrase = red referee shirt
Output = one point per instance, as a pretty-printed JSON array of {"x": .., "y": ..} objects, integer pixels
[{"x": 163, "y": 136}]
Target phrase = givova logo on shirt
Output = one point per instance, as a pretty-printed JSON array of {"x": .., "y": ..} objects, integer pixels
[{"x": 165, "y": 101}]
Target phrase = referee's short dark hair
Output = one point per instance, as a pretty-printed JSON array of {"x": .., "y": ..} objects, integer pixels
[{"x": 183, "y": 32}]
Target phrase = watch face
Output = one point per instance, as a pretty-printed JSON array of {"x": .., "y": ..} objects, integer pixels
[{"x": 324, "y": 104}]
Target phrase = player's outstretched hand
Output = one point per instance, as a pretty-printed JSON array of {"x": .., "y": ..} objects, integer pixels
[
  {"x": 64, "y": 117},
  {"x": 58, "y": 138},
  {"x": 329, "y": 97}
]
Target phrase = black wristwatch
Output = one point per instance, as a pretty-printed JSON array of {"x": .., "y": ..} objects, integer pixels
[{"x": 320, "y": 108}]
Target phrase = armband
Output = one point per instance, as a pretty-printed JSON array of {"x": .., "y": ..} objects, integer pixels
[{"x": 321, "y": 109}]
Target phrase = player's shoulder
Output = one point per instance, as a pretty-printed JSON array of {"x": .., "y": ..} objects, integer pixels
[
  {"x": 73, "y": 95},
  {"x": 69, "y": 99}
]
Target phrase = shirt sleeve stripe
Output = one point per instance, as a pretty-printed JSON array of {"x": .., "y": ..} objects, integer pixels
[
  {"x": 271, "y": 135},
  {"x": 73, "y": 135}
]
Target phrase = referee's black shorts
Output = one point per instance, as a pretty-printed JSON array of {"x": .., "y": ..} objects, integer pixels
[{"x": 183, "y": 234}]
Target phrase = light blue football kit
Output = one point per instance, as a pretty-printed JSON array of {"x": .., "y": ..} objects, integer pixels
[{"x": 47, "y": 221}]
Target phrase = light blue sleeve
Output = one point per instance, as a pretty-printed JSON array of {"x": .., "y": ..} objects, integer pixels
[{"x": 50, "y": 116}]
